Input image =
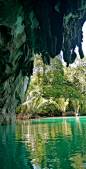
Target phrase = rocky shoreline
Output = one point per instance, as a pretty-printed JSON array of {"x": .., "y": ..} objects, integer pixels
[{"x": 26, "y": 116}]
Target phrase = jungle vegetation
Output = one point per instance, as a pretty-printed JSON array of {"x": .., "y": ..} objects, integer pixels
[{"x": 55, "y": 89}]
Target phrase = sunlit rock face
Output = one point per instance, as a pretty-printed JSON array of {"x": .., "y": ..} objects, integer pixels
[{"x": 28, "y": 27}]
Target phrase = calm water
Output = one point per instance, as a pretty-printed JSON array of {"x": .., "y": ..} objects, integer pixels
[{"x": 57, "y": 143}]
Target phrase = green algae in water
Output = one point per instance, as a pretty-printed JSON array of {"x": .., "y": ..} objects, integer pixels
[{"x": 52, "y": 143}]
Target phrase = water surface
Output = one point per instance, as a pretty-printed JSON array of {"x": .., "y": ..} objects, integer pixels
[{"x": 52, "y": 143}]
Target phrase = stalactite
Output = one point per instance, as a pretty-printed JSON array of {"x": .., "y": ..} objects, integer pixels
[{"x": 28, "y": 27}]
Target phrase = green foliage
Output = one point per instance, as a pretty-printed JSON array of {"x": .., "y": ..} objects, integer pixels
[
  {"x": 83, "y": 107},
  {"x": 48, "y": 107},
  {"x": 62, "y": 104},
  {"x": 18, "y": 110},
  {"x": 76, "y": 106},
  {"x": 55, "y": 89}
]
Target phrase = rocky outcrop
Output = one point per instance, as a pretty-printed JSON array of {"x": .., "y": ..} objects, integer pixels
[
  {"x": 28, "y": 27},
  {"x": 16, "y": 59}
]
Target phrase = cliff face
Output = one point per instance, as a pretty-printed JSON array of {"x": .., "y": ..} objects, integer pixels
[{"x": 34, "y": 26}]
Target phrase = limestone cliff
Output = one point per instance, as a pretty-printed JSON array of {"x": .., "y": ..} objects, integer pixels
[{"x": 34, "y": 26}]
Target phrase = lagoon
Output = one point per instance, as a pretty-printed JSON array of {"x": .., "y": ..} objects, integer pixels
[{"x": 51, "y": 143}]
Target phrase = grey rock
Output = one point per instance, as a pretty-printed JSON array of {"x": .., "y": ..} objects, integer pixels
[{"x": 28, "y": 27}]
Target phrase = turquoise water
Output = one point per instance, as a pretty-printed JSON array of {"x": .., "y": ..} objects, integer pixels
[{"x": 52, "y": 143}]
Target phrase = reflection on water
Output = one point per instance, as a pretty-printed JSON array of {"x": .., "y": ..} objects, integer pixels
[
  {"x": 56, "y": 143},
  {"x": 78, "y": 161},
  {"x": 12, "y": 155}
]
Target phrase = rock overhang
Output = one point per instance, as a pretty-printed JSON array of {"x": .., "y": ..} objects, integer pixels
[{"x": 34, "y": 26}]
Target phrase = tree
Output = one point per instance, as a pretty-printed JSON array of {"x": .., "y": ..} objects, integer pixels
[
  {"x": 62, "y": 104},
  {"x": 76, "y": 106},
  {"x": 55, "y": 88}
]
